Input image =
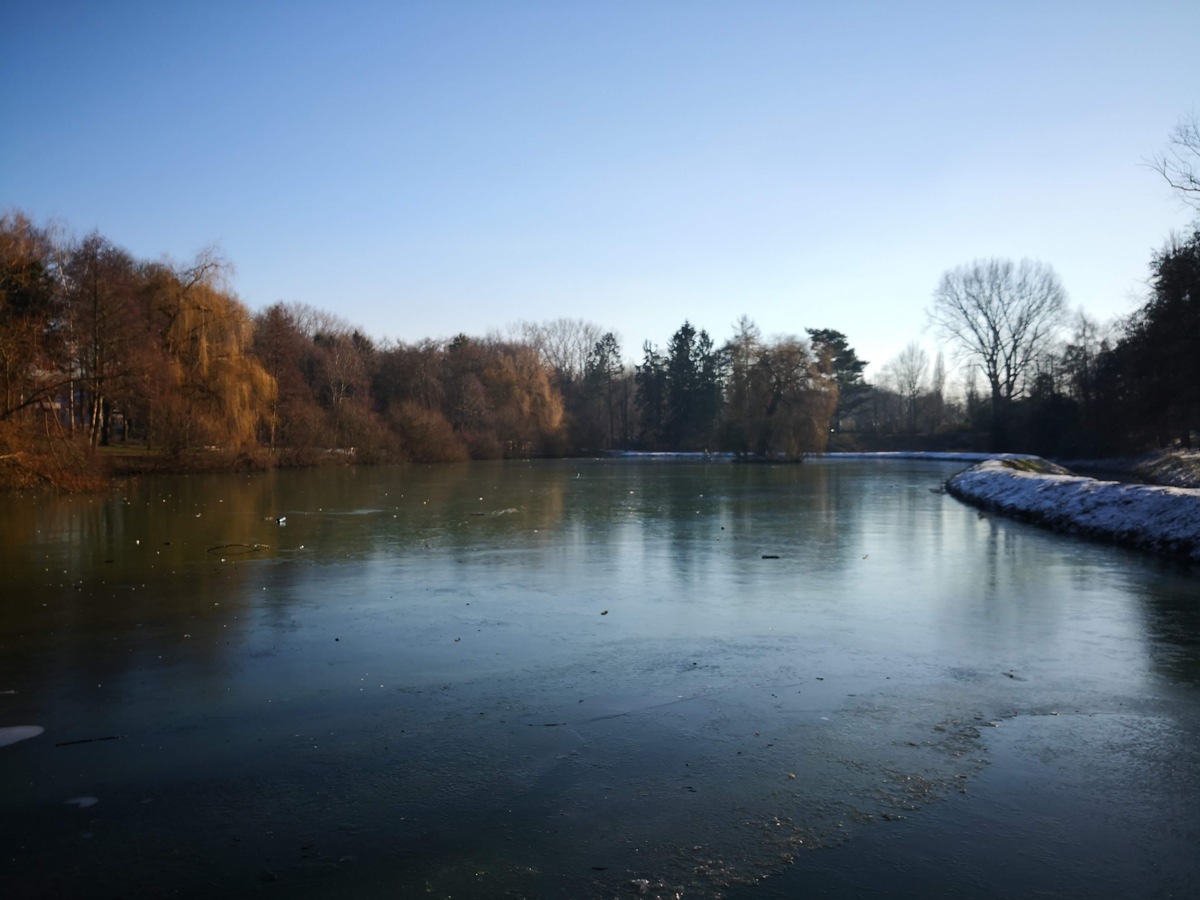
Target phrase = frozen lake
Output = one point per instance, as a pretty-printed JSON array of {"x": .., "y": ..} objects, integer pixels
[{"x": 585, "y": 678}]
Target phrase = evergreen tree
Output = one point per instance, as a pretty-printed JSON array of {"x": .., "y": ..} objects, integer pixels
[
  {"x": 602, "y": 374},
  {"x": 853, "y": 389},
  {"x": 1161, "y": 352},
  {"x": 651, "y": 381},
  {"x": 693, "y": 373}
]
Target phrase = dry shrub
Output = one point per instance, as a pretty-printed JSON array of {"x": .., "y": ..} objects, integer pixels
[
  {"x": 425, "y": 434},
  {"x": 303, "y": 430},
  {"x": 16, "y": 473},
  {"x": 31, "y": 461},
  {"x": 484, "y": 445},
  {"x": 364, "y": 438}
]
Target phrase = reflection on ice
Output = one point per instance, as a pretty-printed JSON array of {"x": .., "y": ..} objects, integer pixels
[{"x": 587, "y": 686}]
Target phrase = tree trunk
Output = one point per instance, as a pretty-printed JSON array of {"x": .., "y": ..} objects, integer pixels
[{"x": 999, "y": 437}]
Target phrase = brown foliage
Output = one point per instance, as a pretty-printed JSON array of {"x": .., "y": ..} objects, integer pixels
[
  {"x": 214, "y": 393},
  {"x": 31, "y": 338},
  {"x": 527, "y": 412},
  {"x": 110, "y": 346},
  {"x": 29, "y": 459},
  {"x": 781, "y": 397},
  {"x": 425, "y": 434}
]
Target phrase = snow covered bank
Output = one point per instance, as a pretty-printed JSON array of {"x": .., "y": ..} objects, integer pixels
[
  {"x": 1161, "y": 519},
  {"x": 940, "y": 455},
  {"x": 1177, "y": 468},
  {"x": 952, "y": 456}
]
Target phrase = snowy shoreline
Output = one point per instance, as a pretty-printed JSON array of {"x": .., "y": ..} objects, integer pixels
[{"x": 1164, "y": 520}]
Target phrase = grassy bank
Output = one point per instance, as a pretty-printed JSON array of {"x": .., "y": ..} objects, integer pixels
[{"x": 74, "y": 467}]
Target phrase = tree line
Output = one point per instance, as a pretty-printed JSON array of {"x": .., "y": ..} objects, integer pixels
[
  {"x": 1039, "y": 378},
  {"x": 98, "y": 348}
]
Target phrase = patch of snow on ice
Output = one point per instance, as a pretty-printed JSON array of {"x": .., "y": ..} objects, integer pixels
[{"x": 13, "y": 733}]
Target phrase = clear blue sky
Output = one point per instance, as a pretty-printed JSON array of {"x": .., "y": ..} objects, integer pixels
[{"x": 427, "y": 168}]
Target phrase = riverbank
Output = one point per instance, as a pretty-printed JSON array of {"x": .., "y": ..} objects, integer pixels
[
  {"x": 74, "y": 468},
  {"x": 1173, "y": 468},
  {"x": 1156, "y": 518}
]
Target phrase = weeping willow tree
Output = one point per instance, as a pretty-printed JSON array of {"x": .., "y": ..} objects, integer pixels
[
  {"x": 796, "y": 400},
  {"x": 527, "y": 410},
  {"x": 210, "y": 390},
  {"x": 781, "y": 397}
]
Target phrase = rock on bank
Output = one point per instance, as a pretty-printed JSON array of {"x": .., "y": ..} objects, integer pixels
[{"x": 1163, "y": 520}]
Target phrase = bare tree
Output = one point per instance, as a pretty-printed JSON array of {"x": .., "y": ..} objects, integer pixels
[
  {"x": 107, "y": 336},
  {"x": 1000, "y": 316},
  {"x": 911, "y": 367},
  {"x": 563, "y": 344},
  {"x": 937, "y": 392},
  {"x": 1179, "y": 163},
  {"x": 32, "y": 367}
]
